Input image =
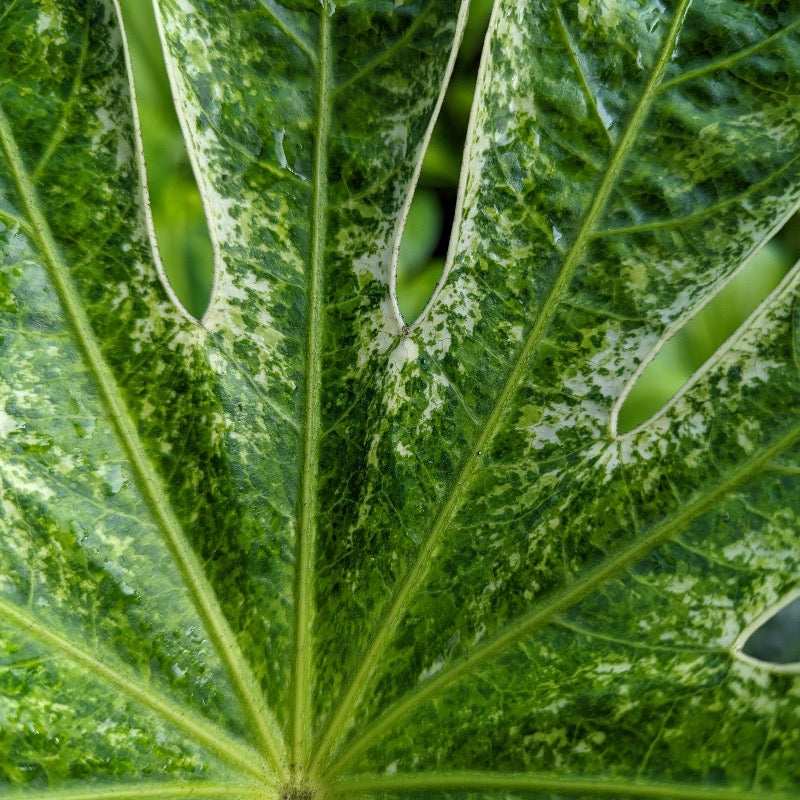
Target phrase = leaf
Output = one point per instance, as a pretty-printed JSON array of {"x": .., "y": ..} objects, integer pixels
[{"x": 302, "y": 547}]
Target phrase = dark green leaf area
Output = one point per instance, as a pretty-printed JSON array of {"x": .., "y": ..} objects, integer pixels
[
  {"x": 300, "y": 189},
  {"x": 616, "y": 730},
  {"x": 515, "y": 548},
  {"x": 24, "y": 55},
  {"x": 301, "y": 6},
  {"x": 79, "y": 552},
  {"x": 258, "y": 148},
  {"x": 758, "y": 32},
  {"x": 84, "y": 550}
]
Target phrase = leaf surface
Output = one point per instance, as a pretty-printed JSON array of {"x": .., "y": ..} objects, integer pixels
[{"x": 304, "y": 545}]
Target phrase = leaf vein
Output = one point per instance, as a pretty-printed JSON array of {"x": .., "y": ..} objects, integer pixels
[
  {"x": 386, "y": 54},
  {"x": 573, "y": 51},
  {"x": 589, "y": 786},
  {"x": 146, "y": 475},
  {"x": 166, "y": 790},
  {"x": 415, "y": 575},
  {"x": 293, "y": 34},
  {"x": 60, "y": 128},
  {"x": 544, "y": 612},
  {"x": 728, "y": 61},
  {"x": 311, "y": 429},
  {"x": 201, "y": 730}
]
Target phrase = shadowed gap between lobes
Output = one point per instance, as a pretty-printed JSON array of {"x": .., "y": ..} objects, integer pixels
[
  {"x": 772, "y": 642},
  {"x": 180, "y": 227},
  {"x": 182, "y": 239},
  {"x": 693, "y": 345}
]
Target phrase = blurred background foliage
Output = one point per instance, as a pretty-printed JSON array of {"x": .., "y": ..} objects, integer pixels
[{"x": 186, "y": 251}]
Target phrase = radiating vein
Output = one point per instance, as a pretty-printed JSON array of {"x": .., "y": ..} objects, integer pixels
[
  {"x": 301, "y": 723},
  {"x": 648, "y": 646},
  {"x": 166, "y": 790},
  {"x": 147, "y": 478},
  {"x": 290, "y": 32},
  {"x": 201, "y": 730},
  {"x": 545, "y": 611},
  {"x": 576, "y": 63},
  {"x": 416, "y": 574},
  {"x": 589, "y": 786},
  {"x": 728, "y": 61}
]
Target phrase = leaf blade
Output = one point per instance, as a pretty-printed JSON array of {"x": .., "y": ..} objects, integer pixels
[
  {"x": 460, "y": 587},
  {"x": 320, "y": 454}
]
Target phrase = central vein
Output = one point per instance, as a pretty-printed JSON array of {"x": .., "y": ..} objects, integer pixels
[{"x": 301, "y": 723}]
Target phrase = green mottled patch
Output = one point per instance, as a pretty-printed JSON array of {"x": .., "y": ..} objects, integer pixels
[{"x": 305, "y": 548}]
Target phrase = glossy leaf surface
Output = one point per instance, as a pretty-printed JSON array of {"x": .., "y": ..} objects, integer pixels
[{"x": 303, "y": 546}]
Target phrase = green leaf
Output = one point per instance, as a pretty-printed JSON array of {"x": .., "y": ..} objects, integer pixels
[{"x": 300, "y": 547}]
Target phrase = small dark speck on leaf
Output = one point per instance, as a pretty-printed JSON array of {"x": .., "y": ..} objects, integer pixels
[
  {"x": 405, "y": 330},
  {"x": 726, "y": 517}
]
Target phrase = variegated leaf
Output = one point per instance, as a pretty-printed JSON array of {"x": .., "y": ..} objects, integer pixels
[{"x": 303, "y": 546}]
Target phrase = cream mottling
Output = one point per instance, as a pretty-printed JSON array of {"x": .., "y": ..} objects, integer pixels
[
  {"x": 147, "y": 410},
  {"x": 395, "y": 135},
  {"x": 759, "y": 371},
  {"x": 372, "y": 457},
  {"x": 456, "y": 312},
  {"x": 403, "y": 450},
  {"x": 123, "y": 151},
  {"x": 402, "y": 365},
  {"x": 9, "y": 424},
  {"x": 437, "y": 397},
  {"x": 185, "y": 7},
  {"x": 122, "y": 294},
  {"x": 224, "y": 212},
  {"x": 107, "y": 125},
  {"x": 51, "y": 25},
  {"x": 47, "y": 22},
  {"x": 23, "y": 480},
  {"x": 612, "y": 668},
  {"x": 696, "y": 424},
  {"x": 369, "y": 265},
  {"x": 431, "y": 670}
]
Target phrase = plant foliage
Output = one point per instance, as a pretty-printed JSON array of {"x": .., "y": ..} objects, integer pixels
[{"x": 303, "y": 546}]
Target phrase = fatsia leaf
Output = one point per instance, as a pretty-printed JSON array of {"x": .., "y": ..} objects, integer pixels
[{"x": 303, "y": 546}]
